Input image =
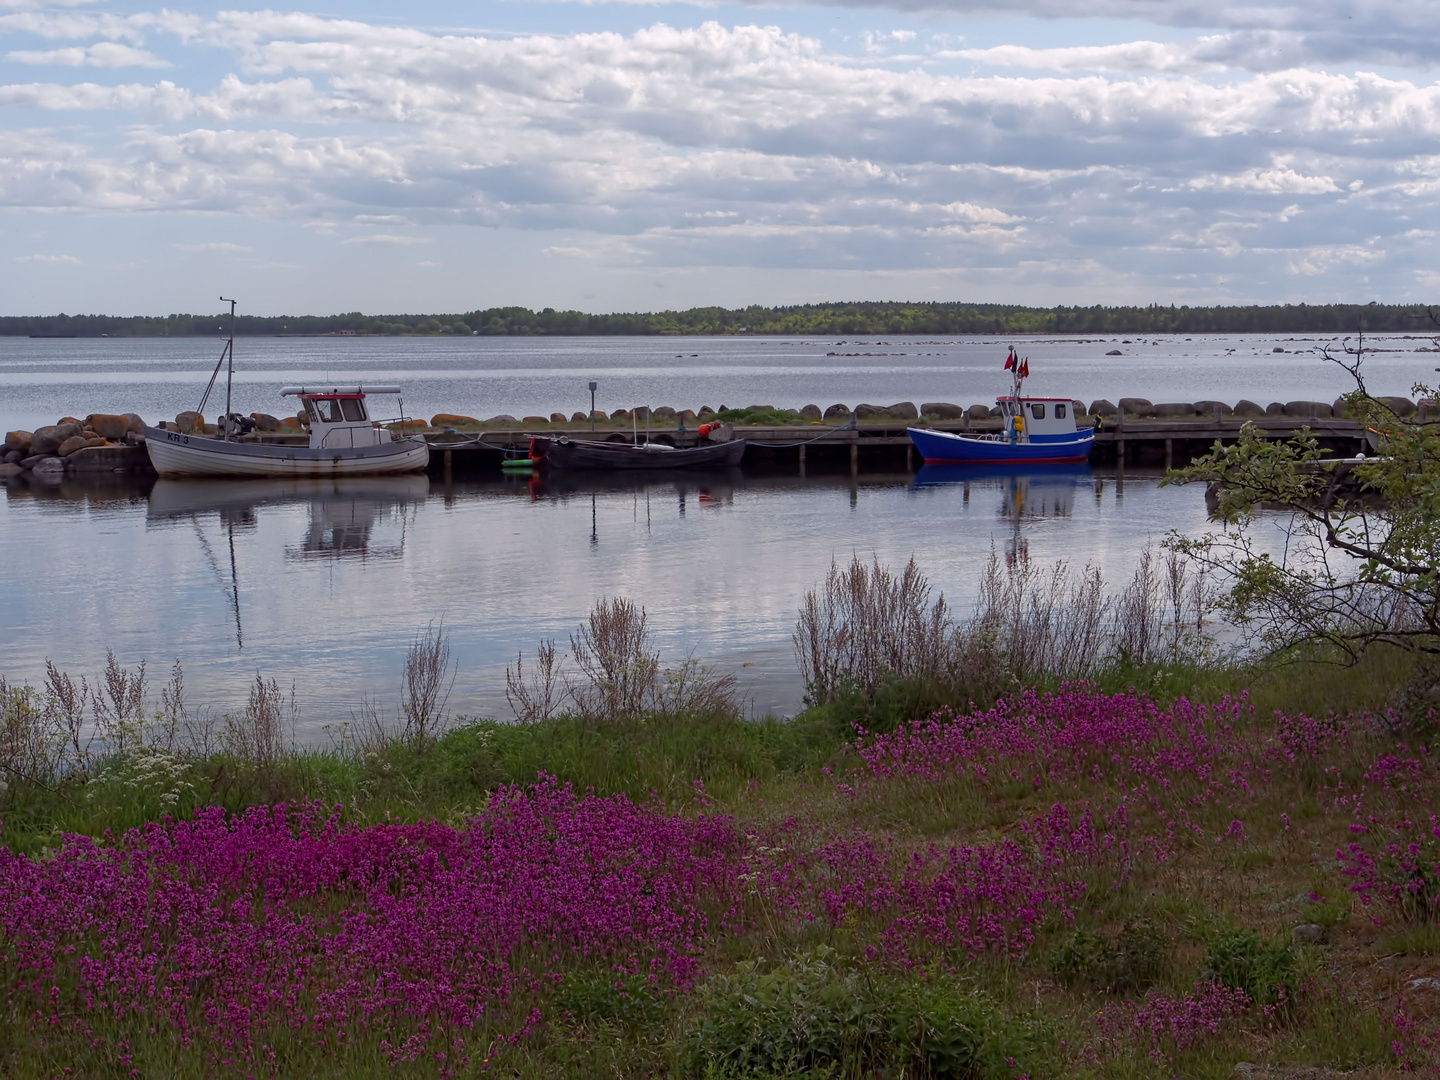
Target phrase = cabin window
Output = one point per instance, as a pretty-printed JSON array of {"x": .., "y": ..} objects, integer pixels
[
  {"x": 1037, "y": 411},
  {"x": 1059, "y": 412},
  {"x": 327, "y": 409},
  {"x": 352, "y": 408}
]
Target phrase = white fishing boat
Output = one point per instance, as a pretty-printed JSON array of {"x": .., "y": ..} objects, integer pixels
[{"x": 344, "y": 440}]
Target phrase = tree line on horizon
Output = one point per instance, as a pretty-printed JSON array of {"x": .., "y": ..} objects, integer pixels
[{"x": 832, "y": 319}]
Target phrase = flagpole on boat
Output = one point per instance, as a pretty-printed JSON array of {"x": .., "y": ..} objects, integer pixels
[{"x": 229, "y": 371}]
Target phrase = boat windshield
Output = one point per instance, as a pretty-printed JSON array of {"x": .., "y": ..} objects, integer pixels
[{"x": 353, "y": 408}]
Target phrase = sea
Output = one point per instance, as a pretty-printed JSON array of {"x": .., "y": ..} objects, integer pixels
[{"x": 323, "y": 586}]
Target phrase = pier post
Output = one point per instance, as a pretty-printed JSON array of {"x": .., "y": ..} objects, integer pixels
[
  {"x": 910, "y": 458},
  {"x": 1120, "y": 438},
  {"x": 802, "y": 462},
  {"x": 449, "y": 463},
  {"x": 1169, "y": 452},
  {"x": 855, "y": 454}
]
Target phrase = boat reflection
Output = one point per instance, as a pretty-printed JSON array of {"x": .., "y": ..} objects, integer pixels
[
  {"x": 1027, "y": 492},
  {"x": 345, "y": 515}
]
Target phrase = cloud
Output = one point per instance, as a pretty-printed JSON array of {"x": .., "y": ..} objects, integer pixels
[
  {"x": 218, "y": 247},
  {"x": 387, "y": 240},
  {"x": 751, "y": 146},
  {"x": 106, "y": 54},
  {"x": 49, "y": 260}
]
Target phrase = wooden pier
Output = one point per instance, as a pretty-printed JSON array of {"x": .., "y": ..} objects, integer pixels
[{"x": 872, "y": 445}]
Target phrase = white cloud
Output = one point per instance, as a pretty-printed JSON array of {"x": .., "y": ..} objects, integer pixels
[
  {"x": 218, "y": 247},
  {"x": 49, "y": 260},
  {"x": 388, "y": 240},
  {"x": 105, "y": 54}
]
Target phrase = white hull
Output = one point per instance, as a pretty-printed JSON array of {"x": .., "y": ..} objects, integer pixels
[{"x": 174, "y": 454}]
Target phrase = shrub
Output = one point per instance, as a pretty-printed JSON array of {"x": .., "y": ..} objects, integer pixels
[
  {"x": 1133, "y": 961},
  {"x": 610, "y": 997},
  {"x": 805, "y": 1016},
  {"x": 1266, "y": 971}
]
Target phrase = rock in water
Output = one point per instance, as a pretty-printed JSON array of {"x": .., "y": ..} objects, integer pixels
[
  {"x": 8, "y": 471},
  {"x": 50, "y": 470},
  {"x": 108, "y": 425},
  {"x": 70, "y": 445},
  {"x": 18, "y": 440}
]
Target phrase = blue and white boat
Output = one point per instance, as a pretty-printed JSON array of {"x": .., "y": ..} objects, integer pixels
[{"x": 1035, "y": 430}]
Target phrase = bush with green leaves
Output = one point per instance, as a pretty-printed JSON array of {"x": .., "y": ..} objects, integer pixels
[
  {"x": 1267, "y": 971},
  {"x": 808, "y": 1017},
  {"x": 1133, "y": 960}
]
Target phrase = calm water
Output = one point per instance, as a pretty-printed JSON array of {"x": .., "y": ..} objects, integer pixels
[
  {"x": 41, "y": 380},
  {"x": 325, "y": 583}
]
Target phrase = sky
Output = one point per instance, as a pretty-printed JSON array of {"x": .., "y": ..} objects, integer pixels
[{"x": 620, "y": 156}]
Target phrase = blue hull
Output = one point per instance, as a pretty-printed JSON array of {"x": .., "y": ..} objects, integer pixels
[{"x": 943, "y": 448}]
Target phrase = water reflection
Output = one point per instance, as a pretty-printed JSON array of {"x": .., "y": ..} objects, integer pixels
[{"x": 1026, "y": 492}]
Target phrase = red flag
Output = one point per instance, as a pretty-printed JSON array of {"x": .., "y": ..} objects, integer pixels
[
  {"x": 1010, "y": 359},
  {"x": 1025, "y": 368}
]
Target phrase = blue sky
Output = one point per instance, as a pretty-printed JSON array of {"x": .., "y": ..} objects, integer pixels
[{"x": 630, "y": 156}]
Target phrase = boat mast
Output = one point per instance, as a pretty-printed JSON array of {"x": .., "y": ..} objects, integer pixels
[{"x": 229, "y": 371}]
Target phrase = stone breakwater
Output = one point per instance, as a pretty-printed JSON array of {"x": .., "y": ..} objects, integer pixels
[{"x": 114, "y": 443}]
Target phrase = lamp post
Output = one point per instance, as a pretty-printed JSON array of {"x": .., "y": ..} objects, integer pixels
[{"x": 592, "y": 406}]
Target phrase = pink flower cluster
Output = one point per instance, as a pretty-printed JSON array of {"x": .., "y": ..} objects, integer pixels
[{"x": 289, "y": 915}]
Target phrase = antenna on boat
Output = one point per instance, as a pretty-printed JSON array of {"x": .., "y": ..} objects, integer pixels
[{"x": 229, "y": 371}]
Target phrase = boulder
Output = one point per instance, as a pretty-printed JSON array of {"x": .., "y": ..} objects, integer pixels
[
  {"x": 70, "y": 420},
  {"x": 978, "y": 412},
  {"x": 503, "y": 418},
  {"x": 760, "y": 408},
  {"x": 210, "y": 429},
  {"x": 13, "y": 457},
  {"x": 70, "y": 445},
  {"x": 837, "y": 412},
  {"x": 943, "y": 409},
  {"x": 265, "y": 422},
  {"x": 664, "y": 412},
  {"x": 1398, "y": 405},
  {"x": 1247, "y": 408},
  {"x": 108, "y": 425},
  {"x": 47, "y": 440},
  {"x": 704, "y": 410},
  {"x": 50, "y": 470},
  {"x": 1275, "y": 408},
  {"x": 871, "y": 412},
  {"x": 536, "y": 420},
  {"x": 18, "y": 440},
  {"x": 445, "y": 419},
  {"x": 1209, "y": 408},
  {"x": 618, "y": 414},
  {"x": 136, "y": 424},
  {"x": 407, "y": 425},
  {"x": 33, "y": 460},
  {"x": 1102, "y": 407},
  {"x": 812, "y": 412},
  {"x": 1078, "y": 407},
  {"x": 688, "y": 415},
  {"x": 1171, "y": 410},
  {"x": 189, "y": 421},
  {"x": 579, "y": 418},
  {"x": 1340, "y": 407},
  {"x": 1308, "y": 408},
  {"x": 1114, "y": 352},
  {"x": 9, "y": 470},
  {"x": 94, "y": 441},
  {"x": 1137, "y": 406},
  {"x": 600, "y": 415},
  {"x": 291, "y": 423},
  {"x": 1309, "y": 933},
  {"x": 995, "y": 412},
  {"x": 558, "y": 418},
  {"x": 904, "y": 410}
]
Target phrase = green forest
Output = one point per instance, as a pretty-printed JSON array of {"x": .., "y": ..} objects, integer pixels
[{"x": 813, "y": 319}]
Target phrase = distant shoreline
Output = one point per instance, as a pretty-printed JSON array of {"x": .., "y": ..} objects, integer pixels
[{"x": 813, "y": 320}]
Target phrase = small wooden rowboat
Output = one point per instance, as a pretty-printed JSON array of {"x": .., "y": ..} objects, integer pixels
[{"x": 563, "y": 452}]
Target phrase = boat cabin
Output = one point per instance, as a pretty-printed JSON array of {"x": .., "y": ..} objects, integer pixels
[
  {"x": 1038, "y": 420},
  {"x": 338, "y": 417}
]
